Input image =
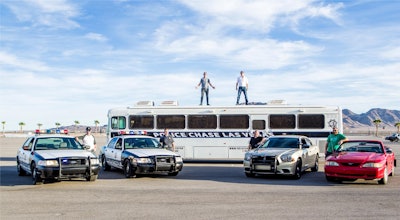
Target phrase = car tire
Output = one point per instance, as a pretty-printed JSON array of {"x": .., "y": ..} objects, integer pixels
[
  {"x": 316, "y": 164},
  {"x": 173, "y": 174},
  {"x": 104, "y": 163},
  {"x": 128, "y": 169},
  {"x": 250, "y": 174},
  {"x": 297, "y": 172},
  {"x": 392, "y": 173},
  {"x": 385, "y": 177},
  {"x": 36, "y": 180},
  {"x": 92, "y": 178},
  {"x": 20, "y": 170}
]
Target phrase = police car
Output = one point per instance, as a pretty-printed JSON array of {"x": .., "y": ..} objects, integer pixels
[
  {"x": 56, "y": 157},
  {"x": 137, "y": 154}
]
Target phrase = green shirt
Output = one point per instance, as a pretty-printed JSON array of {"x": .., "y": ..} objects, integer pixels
[{"x": 333, "y": 140}]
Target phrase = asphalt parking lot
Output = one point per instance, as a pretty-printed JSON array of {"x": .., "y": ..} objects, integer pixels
[{"x": 200, "y": 191}]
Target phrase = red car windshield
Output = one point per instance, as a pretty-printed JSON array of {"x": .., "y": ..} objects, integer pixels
[{"x": 361, "y": 147}]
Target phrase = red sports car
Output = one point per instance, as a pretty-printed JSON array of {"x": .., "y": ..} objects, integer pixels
[{"x": 360, "y": 159}]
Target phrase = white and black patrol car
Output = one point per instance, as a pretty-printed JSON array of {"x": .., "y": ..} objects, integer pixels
[
  {"x": 56, "y": 157},
  {"x": 138, "y": 154}
]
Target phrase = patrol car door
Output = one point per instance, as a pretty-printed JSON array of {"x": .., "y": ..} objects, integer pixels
[
  {"x": 109, "y": 152},
  {"x": 118, "y": 152},
  {"x": 307, "y": 152},
  {"x": 24, "y": 153}
]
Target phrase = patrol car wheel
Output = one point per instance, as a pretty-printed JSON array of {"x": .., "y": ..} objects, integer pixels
[
  {"x": 104, "y": 164},
  {"x": 92, "y": 178},
  {"x": 128, "y": 169},
  {"x": 297, "y": 172},
  {"x": 36, "y": 180},
  {"x": 315, "y": 168},
  {"x": 20, "y": 170}
]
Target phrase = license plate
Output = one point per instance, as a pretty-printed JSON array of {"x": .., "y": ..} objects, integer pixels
[{"x": 263, "y": 167}]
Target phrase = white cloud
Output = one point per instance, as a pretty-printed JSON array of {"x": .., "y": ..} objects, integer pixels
[{"x": 96, "y": 37}]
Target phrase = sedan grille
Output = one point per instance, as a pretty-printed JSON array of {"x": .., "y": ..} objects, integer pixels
[
  {"x": 264, "y": 163},
  {"x": 73, "y": 165},
  {"x": 164, "y": 163}
]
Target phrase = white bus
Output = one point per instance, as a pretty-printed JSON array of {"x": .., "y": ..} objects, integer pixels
[{"x": 223, "y": 132}]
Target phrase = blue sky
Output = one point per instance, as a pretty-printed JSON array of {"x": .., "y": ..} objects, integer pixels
[{"x": 62, "y": 61}]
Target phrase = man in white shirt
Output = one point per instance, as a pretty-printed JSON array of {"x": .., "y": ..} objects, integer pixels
[
  {"x": 242, "y": 85},
  {"x": 88, "y": 139}
]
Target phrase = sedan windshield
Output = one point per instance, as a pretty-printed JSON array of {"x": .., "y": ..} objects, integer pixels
[
  {"x": 281, "y": 143},
  {"x": 361, "y": 147},
  {"x": 57, "y": 143},
  {"x": 135, "y": 143}
]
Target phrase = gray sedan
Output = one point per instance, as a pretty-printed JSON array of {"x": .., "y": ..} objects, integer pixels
[{"x": 282, "y": 155}]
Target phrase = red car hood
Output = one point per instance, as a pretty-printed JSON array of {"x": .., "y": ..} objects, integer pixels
[{"x": 356, "y": 157}]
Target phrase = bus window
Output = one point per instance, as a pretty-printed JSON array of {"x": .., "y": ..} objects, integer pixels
[
  {"x": 202, "y": 121},
  {"x": 234, "y": 121},
  {"x": 282, "y": 121},
  {"x": 118, "y": 122},
  {"x": 171, "y": 121},
  {"x": 141, "y": 122},
  {"x": 258, "y": 124},
  {"x": 311, "y": 121}
]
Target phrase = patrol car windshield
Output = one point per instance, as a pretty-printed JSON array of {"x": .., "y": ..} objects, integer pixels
[
  {"x": 137, "y": 143},
  {"x": 57, "y": 143}
]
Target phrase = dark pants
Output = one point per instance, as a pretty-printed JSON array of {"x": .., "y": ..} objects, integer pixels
[
  {"x": 204, "y": 90},
  {"x": 240, "y": 90}
]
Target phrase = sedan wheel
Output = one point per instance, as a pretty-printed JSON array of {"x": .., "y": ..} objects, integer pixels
[
  {"x": 128, "y": 169},
  {"x": 104, "y": 164},
  {"x": 297, "y": 172},
  {"x": 36, "y": 180},
  {"x": 384, "y": 180},
  {"x": 315, "y": 168},
  {"x": 20, "y": 170}
]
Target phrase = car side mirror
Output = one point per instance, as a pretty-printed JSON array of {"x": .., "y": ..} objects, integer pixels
[
  {"x": 87, "y": 147},
  {"x": 389, "y": 150},
  {"x": 26, "y": 147},
  {"x": 306, "y": 146}
]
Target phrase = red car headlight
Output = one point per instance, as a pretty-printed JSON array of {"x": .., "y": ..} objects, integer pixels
[
  {"x": 374, "y": 165},
  {"x": 331, "y": 163}
]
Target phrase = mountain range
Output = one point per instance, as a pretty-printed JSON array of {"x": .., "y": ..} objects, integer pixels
[{"x": 388, "y": 118}]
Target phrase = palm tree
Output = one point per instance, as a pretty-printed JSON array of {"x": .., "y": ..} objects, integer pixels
[
  {"x": 96, "y": 123},
  {"x": 4, "y": 123},
  {"x": 76, "y": 124},
  {"x": 377, "y": 122},
  {"x": 21, "y": 124},
  {"x": 397, "y": 125},
  {"x": 57, "y": 125}
]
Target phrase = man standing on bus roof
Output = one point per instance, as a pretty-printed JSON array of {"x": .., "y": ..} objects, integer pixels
[
  {"x": 334, "y": 140},
  {"x": 167, "y": 141},
  {"x": 205, "y": 83},
  {"x": 242, "y": 85},
  {"x": 256, "y": 141}
]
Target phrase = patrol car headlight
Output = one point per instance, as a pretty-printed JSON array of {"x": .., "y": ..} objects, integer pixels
[
  {"x": 48, "y": 163},
  {"x": 247, "y": 157},
  {"x": 178, "y": 159},
  {"x": 94, "y": 161},
  {"x": 287, "y": 158},
  {"x": 142, "y": 160}
]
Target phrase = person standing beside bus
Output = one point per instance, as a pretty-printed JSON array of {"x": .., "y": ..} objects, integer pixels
[
  {"x": 242, "y": 85},
  {"x": 167, "y": 141},
  {"x": 205, "y": 83},
  {"x": 333, "y": 141},
  {"x": 88, "y": 139},
  {"x": 256, "y": 141}
]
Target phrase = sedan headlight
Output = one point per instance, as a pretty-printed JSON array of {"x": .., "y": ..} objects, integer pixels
[
  {"x": 94, "y": 161},
  {"x": 331, "y": 163},
  {"x": 287, "y": 158},
  {"x": 247, "y": 157},
  {"x": 142, "y": 160},
  {"x": 375, "y": 165},
  {"x": 48, "y": 163},
  {"x": 178, "y": 159}
]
